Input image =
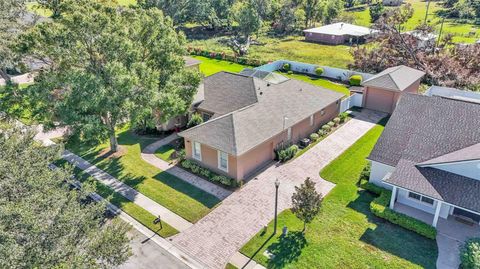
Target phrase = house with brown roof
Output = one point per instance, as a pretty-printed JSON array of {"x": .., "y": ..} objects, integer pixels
[
  {"x": 383, "y": 91},
  {"x": 429, "y": 156},
  {"x": 248, "y": 117}
]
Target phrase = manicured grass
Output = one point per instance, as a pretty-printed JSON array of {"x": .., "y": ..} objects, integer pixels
[
  {"x": 459, "y": 30},
  {"x": 212, "y": 66},
  {"x": 127, "y": 206},
  {"x": 345, "y": 234},
  {"x": 164, "y": 152},
  {"x": 230, "y": 266},
  {"x": 178, "y": 196},
  {"x": 288, "y": 48}
]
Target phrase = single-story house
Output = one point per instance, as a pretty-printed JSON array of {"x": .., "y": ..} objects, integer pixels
[
  {"x": 423, "y": 39},
  {"x": 248, "y": 117},
  {"x": 429, "y": 156},
  {"x": 338, "y": 33},
  {"x": 383, "y": 91}
]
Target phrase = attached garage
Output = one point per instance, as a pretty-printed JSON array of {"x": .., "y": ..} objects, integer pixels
[{"x": 383, "y": 90}]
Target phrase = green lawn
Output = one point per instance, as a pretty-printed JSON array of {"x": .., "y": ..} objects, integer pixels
[
  {"x": 164, "y": 152},
  {"x": 288, "y": 48},
  {"x": 180, "y": 197},
  {"x": 212, "y": 66},
  {"x": 345, "y": 234},
  {"x": 459, "y": 30},
  {"x": 135, "y": 211}
]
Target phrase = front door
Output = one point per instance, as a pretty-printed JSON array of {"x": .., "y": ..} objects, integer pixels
[{"x": 460, "y": 212}]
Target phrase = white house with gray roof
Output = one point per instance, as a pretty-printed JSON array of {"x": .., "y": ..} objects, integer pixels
[{"x": 429, "y": 156}]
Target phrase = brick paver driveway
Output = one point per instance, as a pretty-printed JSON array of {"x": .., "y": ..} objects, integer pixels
[{"x": 219, "y": 235}]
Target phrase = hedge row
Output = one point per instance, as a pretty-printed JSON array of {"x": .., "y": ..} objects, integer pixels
[
  {"x": 225, "y": 57},
  {"x": 470, "y": 254},
  {"x": 206, "y": 173},
  {"x": 379, "y": 207}
]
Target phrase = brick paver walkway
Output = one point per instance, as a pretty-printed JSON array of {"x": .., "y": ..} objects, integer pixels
[
  {"x": 148, "y": 155},
  {"x": 218, "y": 236}
]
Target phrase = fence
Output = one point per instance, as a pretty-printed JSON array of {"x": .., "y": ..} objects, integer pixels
[
  {"x": 355, "y": 99},
  {"x": 328, "y": 72}
]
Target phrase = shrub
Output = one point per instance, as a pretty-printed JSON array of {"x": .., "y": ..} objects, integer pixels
[
  {"x": 331, "y": 124},
  {"x": 287, "y": 153},
  {"x": 343, "y": 117},
  {"x": 186, "y": 164},
  {"x": 318, "y": 71},
  {"x": 379, "y": 207},
  {"x": 290, "y": 72},
  {"x": 314, "y": 137},
  {"x": 321, "y": 133},
  {"x": 206, "y": 173},
  {"x": 286, "y": 67},
  {"x": 181, "y": 154},
  {"x": 336, "y": 121},
  {"x": 470, "y": 254},
  {"x": 326, "y": 128},
  {"x": 356, "y": 80},
  {"x": 195, "y": 120}
]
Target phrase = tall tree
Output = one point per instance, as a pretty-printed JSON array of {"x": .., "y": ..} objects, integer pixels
[
  {"x": 56, "y": 6},
  {"x": 376, "y": 11},
  {"x": 312, "y": 8},
  {"x": 45, "y": 224},
  {"x": 11, "y": 24},
  {"x": 178, "y": 10},
  {"x": 306, "y": 202},
  {"x": 249, "y": 22},
  {"x": 107, "y": 63}
]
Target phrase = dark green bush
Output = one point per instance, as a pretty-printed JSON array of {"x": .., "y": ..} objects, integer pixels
[
  {"x": 195, "y": 120},
  {"x": 287, "y": 153},
  {"x": 319, "y": 71},
  {"x": 343, "y": 117},
  {"x": 470, "y": 254},
  {"x": 379, "y": 207},
  {"x": 356, "y": 80},
  {"x": 286, "y": 67},
  {"x": 207, "y": 174}
]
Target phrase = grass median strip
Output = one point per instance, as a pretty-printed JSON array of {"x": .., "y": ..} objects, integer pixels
[{"x": 127, "y": 206}]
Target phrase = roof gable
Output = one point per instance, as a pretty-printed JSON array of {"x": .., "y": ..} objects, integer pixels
[{"x": 396, "y": 78}]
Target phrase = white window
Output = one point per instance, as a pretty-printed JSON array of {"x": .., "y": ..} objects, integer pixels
[
  {"x": 223, "y": 161},
  {"x": 197, "y": 151},
  {"x": 289, "y": 133},
  {"x": 420, "y": 198},
  {"x": 311, "y": 120}
]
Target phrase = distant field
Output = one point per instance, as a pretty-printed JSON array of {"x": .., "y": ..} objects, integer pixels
[
  {"x": 460, "y": 31},
  {"x": 292, "y": 48}
]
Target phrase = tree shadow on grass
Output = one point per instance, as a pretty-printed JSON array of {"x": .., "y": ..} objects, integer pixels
[
  {"x": 287, "y": 249},
  {"x": 392, "y": 238}
]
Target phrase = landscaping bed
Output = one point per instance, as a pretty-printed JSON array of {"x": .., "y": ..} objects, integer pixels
[
  {"x": 175, "y": 194},
  {"x": 346, "y": 234},
  {"x": 207, "y": 174}
]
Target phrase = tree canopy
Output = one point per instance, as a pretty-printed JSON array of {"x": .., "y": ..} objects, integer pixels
[
  {"x": 306, "y": 202},
  {"x": 109, "y": 65},
  {"x": 43, "y": 222}
]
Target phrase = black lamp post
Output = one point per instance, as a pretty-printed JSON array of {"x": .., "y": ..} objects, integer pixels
[{"x": 277, "y": 184}]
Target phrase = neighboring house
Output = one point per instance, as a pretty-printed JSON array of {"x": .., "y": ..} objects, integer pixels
[
  {"x": 182, "y": 120},
  {"x": 338, "y": 33},
  {"x": 429, "y": 156},
  {"x": 392, "y": 2},
  {"x": 249, "y": 117},
  {"x": 423, "y": 39},
  {"x": 383, "y": 91}
]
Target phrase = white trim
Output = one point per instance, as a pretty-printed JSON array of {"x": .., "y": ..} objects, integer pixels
[
  {"x": 219, "y": 154},
  {"x": 312, "y": 120},
  {"x": 393, "y": 197},
  {"x": 289, "y": 133},
  {"x": 199, "y": 157},
  {"x": 437, "y": 214},
  {"x": 448, "y": 163}
]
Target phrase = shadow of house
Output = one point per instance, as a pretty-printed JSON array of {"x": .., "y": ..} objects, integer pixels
[
  {"x": 287, "y": 250},
  {"x": 413, "y": 248}
]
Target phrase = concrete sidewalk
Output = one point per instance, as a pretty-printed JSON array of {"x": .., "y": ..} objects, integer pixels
[
  {"x": 148, "y": 155},
  {"x": 128, "y": 192}
]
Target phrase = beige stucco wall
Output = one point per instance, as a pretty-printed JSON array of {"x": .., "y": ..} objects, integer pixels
[
  {"x": 242, "y": 166},
  {"x": 386, "y": 100}
]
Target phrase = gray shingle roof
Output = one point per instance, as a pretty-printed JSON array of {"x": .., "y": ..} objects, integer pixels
[
  {"x": 225, "y": 92},
  {"x": 396, "y": 78},
  {"x": 422, "y": 128},
  {"x": 243, "y": 129},
  {"x": 465, "y": 154},
  {"x": 438, "y": 184}
]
